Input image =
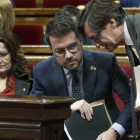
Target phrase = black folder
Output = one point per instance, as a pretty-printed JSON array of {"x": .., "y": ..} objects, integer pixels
[{"x": 77, "y": 128}]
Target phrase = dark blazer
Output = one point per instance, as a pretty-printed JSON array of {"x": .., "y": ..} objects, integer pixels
[
  {"x": 133, "y": 25},
  {"x": 49, "y": 80},
  {"x": 22, "y": 86},
  {"x": 129, "y": 3}
]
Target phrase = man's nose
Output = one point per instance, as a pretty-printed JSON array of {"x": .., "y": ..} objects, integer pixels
[
  {"x": 97, "y": 44},
  {"x": 68, "y": 54}
]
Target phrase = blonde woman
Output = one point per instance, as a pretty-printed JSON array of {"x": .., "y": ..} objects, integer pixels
[{"x": 7, "y": 16}]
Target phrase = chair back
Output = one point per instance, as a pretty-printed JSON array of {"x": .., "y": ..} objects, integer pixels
[
  {"x": 29, "y": 34},
  {"x": 24, "y": 3},
  {"x": 61, "y": 3}
]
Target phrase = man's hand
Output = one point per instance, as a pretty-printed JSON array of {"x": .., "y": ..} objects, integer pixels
[
  {"x": 84, "y": 108},
  {"x": 107, "y": 135}
]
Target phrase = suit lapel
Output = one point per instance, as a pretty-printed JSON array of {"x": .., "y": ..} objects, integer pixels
[
  {"x": 132, "y": 32},
  {"x": 89, "y": 75},
  {"x": 22, "y": 87},
  {"x": 58, "y": 79}
]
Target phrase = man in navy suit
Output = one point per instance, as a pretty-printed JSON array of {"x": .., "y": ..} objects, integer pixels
[
  {"x": 130, "y": 3},
  {"x": 74, "y": 13},
  {"x": 109, "y": 28},
  {"x": 98, "y": 73}
]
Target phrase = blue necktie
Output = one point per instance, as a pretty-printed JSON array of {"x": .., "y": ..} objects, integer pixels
[{"x": 76, "y": 89}]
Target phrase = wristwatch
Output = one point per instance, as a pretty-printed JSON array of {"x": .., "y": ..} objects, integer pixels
[{"x": 117, "y": 134}]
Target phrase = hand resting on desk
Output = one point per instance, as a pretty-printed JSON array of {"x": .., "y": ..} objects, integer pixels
[{"x": 84, "y": 108}]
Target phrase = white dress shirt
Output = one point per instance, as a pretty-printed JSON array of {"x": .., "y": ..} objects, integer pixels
[{"x": 128, "y": 40}]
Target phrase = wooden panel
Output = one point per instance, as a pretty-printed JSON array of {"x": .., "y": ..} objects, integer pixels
[
  {"x": 123, "y": 60},
  {"x": 36, "y": 49},
  {"x": 33, "y": 59},
  {"x": 37, "y": 53},
  {"x": 32, "y": 20},
  {"x": 46, "y": 49},
  {"x": 132, "y": 10},
  {"x": 53, "y": 11},
  {"x": 119, "y": 50},
  {"x": 41, "y": 16},
  {"x": 25, "y": 117}
]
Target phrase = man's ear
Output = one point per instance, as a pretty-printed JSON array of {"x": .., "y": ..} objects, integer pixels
[{"x": 112, "y": 22}]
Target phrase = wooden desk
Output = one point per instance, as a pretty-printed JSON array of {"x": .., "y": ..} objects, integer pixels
[
  {"x": 37, "y": 53},
  {"x": 41, "y": 16},
  {"x": 33, "y": 117}
]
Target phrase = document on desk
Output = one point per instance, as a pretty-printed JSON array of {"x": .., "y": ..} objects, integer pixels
[{"x": 77, "y": 128}]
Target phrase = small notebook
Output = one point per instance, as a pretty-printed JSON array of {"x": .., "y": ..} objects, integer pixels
[{"x": 77, "y": 128}]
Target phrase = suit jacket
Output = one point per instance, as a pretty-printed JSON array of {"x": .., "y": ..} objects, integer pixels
[
  {"x": 133, "y": 25},
  {"x": 133, "y": 22},
  {"x": 130, "y": 3},
  {"x": 49, "y": 80},
  {"x": 22, "y": 87}
]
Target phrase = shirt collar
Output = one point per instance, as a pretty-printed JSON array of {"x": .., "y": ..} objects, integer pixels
[
  {"x": 128, "y": 40},
  {"x": 80, "y": 67}
]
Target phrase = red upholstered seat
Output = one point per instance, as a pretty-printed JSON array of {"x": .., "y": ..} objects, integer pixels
[
  {"x": 120, "y": 103},
  {"x": 29, "y": 34},
  {"x": 127, "y": 70},
  {"x": 24, "y": 3},
  {"x": 31, "y": 66},
  {"x": 61, "y": 3}
]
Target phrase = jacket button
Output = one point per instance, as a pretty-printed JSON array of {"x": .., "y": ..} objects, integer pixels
[{"x": 24, "y": 89}]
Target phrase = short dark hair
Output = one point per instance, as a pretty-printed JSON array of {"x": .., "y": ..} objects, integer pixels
[
  {"x": 70, "y": 11},
  {"x": 97, "y": 12},
  {"x": 60, "y": 26}
]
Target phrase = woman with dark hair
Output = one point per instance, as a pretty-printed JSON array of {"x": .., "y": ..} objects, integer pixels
[{"x": 15, "y": 74}]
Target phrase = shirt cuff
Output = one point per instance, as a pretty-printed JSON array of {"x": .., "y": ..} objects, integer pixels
[{"x": 119, "y": 128}]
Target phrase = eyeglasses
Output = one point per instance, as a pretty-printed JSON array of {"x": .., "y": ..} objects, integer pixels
[
  {"x": 61, "y": 52},
  {"x": 4, "y": 55},
  {"x": 95, "y": 38}
]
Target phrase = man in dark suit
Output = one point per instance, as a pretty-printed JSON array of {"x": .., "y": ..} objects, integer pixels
[
  {"x": 74, "y": 13},
  {"x": 130, "y": 3},
  {"x": 111, "y": 27},
  {"x": 98, "y": 76}
]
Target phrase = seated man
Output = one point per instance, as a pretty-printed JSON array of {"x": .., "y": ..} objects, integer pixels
[
  {"x": 74, "y": 13},
  {"x": 83, "y": 74}
]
